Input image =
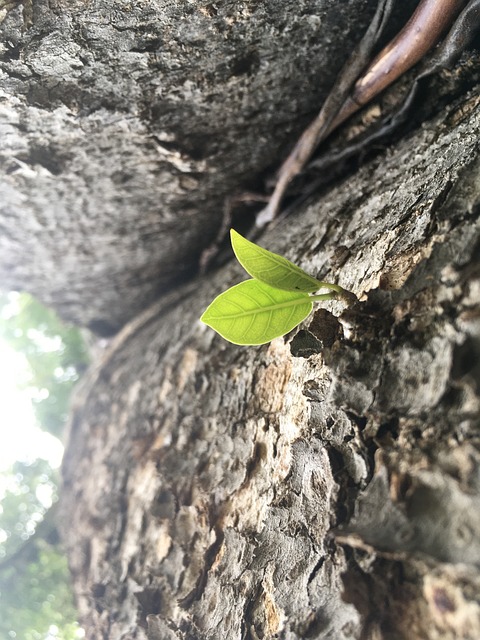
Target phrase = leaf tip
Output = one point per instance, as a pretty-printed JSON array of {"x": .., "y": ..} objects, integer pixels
[
  {"x": 204, "y": 317},
  {"x": 235, "y": 238}
]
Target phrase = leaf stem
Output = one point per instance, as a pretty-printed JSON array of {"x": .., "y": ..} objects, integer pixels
[
  {"x": 337, "y": 291},
  {"x": 329, "y": 285},
  {"x": 324, "y": 296}
]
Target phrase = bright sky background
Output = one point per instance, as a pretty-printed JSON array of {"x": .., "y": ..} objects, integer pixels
[{"x": 20, "y": 438}]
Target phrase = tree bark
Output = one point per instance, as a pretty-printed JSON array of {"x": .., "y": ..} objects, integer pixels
[
  {"x": 325, "y": 485},
  {"x": 125, "y": 127}
]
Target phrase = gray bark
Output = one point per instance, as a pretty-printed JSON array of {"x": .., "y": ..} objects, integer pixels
[
  {"x": 325, "y": 485},
  {"x": 125, "y": 127},
  {"x": 213, "y": 491}
]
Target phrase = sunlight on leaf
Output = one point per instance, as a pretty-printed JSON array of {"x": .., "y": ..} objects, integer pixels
[
  {"x": 271, "y": 268},
  {"x": 252, "y": 312}
]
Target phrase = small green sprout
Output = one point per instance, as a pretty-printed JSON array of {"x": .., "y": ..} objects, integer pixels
[{"x": 272, "y": 303}]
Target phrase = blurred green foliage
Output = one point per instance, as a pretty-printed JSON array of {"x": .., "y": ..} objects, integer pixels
[
  {"x": 35, "y": 597},
  {"x": 34, "y": 591},
  {"x": 55, "y": 352}
]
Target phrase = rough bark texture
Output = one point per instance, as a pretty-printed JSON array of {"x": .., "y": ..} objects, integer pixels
[
  {"x": 125, "y": 126},
  {"x": 326, "y": 485}
]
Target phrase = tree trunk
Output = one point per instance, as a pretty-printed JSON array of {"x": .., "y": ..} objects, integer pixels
[
  {"x": 325, "y": 485},
  {"x": 124, "y": 127}
]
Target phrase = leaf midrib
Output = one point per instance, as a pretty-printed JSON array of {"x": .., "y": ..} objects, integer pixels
[
  {"x": 279, "y": 261},
  {"x": 278, "y": 305}
]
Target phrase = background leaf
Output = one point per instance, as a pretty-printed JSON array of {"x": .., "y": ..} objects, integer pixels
[
  {"x": 271, "y": 268},
  {"x": 252, "y": 312}
]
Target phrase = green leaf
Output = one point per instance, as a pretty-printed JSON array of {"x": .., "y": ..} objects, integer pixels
[
  {"x": 252, "y": 312},
  {"x": 271, "y": 268}
]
